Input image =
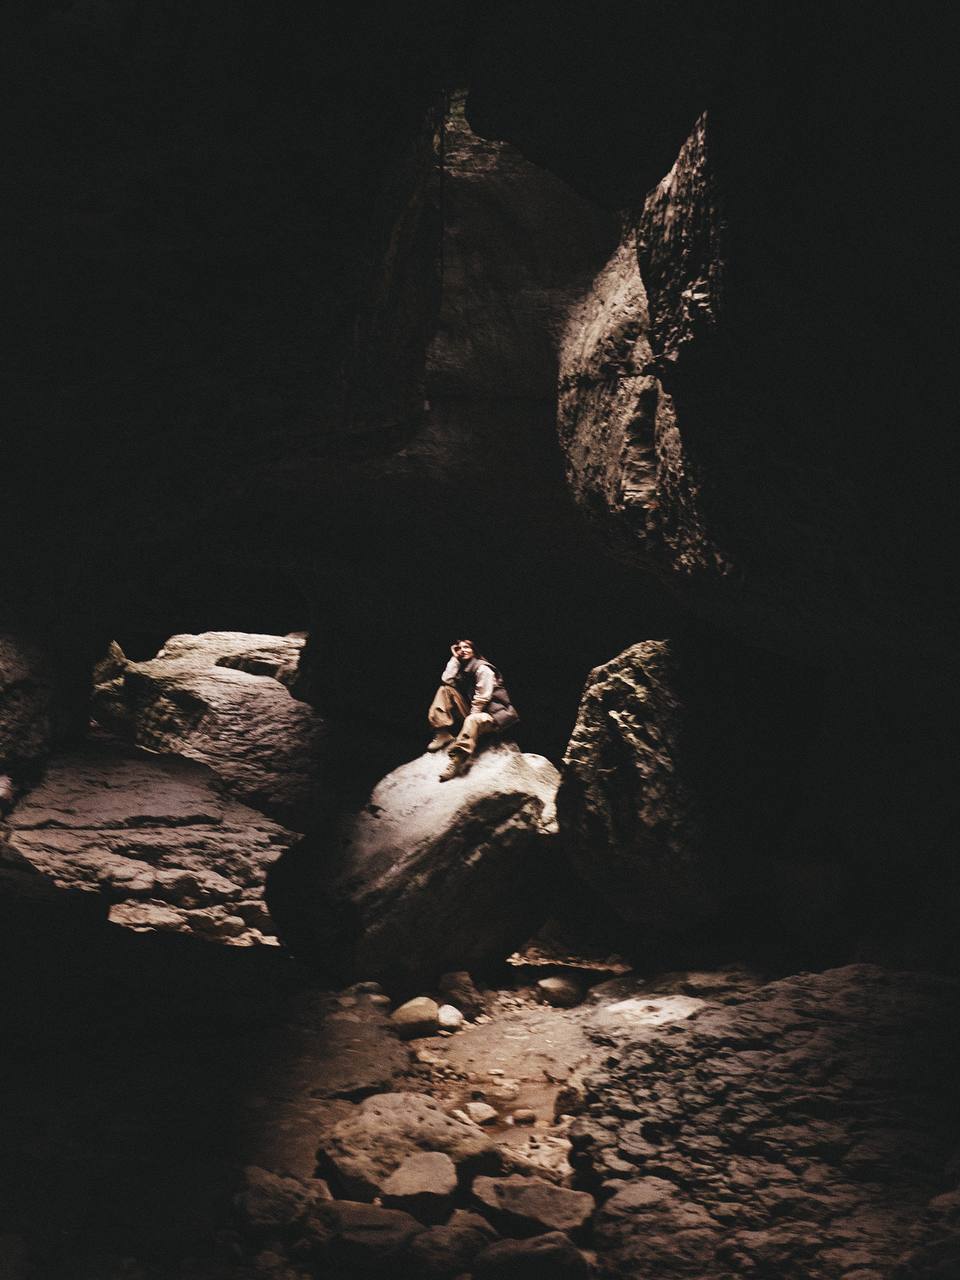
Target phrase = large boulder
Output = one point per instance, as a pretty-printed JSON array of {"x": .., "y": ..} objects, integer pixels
[
  {"x": 429, "y": 876},
  {"x": 363, "y": 1152},
  {"x": 222, "y": 698},
  {"x": 156, "y": 839},
  {"x": 676, "y": 775}
]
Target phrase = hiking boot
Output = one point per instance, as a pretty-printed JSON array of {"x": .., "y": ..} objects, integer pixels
[
  {"x": 442, "y": 738},
  {"x": 456, "y": 765}
]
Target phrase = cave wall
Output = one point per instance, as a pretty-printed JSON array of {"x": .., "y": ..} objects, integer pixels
[
  {"x": 755, "y": 404},
  {"x": 285, "y": 344}
]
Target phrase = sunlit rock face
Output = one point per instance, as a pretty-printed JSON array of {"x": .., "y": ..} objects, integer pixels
[
  {"x": 156, "y": 841},
  {"x": 221, "y": 698},
  {"x": 430, "y": 876},
  {"x": 737, "y": 417},
  {"x": 628, "y": 464}
]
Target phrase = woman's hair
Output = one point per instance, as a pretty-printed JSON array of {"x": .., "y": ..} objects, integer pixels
[{"x": 476, "y": 652}]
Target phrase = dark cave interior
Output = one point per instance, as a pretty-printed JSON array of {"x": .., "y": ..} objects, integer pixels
[{"x": 620, "y": 339}]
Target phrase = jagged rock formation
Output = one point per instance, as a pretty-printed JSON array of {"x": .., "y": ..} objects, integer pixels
[
  {"x": 221, "y": 698},
  {"x": 677, "y": 781},
  {"x": 156, "y": 840},
  {"x": 803, "y": 1129},
  {"x": 429, "y": 876}
]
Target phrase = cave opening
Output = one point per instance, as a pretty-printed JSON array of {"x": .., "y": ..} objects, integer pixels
[{"x": 602, "y": 362}]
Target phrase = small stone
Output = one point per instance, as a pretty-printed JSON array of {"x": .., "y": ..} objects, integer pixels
[
  {"x": 561, "y": 992},
  {"x": 423, "y": 1185},
  {"x": 481, "y": 1112},
  {"x": 459, "y": 1114},
  {"x": 524, "y": 1115},
  {"x": 505, "y": 1091},
  {"x": 449, "y": 1018},
  {"x": 497, "y": 1071},
  {"x": 367, "y": 988},
  {"x": 418, "y": 1017},
  {"x": 547, "y": 1257},
  {"x": 379, "y": 1002},
  {"x": 528, "y": 1206}
]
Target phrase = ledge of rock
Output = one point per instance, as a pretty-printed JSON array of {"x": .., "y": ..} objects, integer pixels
[
  {"x": 221, "y": 698},
  {"x": 429, "y": 876},
  {"x": 156, "y": 838}
]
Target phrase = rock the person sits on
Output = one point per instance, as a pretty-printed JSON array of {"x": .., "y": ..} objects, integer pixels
[{"x": 471, "y": 695}]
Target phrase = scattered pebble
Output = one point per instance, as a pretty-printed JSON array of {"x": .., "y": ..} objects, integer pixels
[
  {"x": 524, "y": 1115},
  {"x": 449, "y": 1018}
]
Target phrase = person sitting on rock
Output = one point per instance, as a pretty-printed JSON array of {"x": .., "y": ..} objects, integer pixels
[{"x": 471, "y": 695}]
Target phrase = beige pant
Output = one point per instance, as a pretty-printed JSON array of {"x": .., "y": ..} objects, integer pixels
[{"x": 448, "y": 709}]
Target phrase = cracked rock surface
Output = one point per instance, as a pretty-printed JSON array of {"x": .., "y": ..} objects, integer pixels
[
  {"x": 156, "y": 838},
  {"x": 805, "y": 1130},
  {"x": 221, "y": 698}
]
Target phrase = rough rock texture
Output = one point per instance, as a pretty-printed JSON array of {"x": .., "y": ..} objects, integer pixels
[
  {"x": 43, "y": 698},
  {"x": 422, "y": 1186},
  {"x": 520, "y": 249},
  {"x": 156, "y": 839},
  {"x": 366, "y": 1148},
  {"x": 677, "y": 780},
  {"x": 529, "y": 1206},
  {"x": 618, "y": 426},
  {"x": 449, "y": 1250},
  {"x": 428, "y": 875},
  {"x": 547, "y": 1257},
  {"x": 269, "y": 1203},
  {"x": 733, "y": 395},
  {"x": 799, "y": 1131},
  {"x": 361, "y": 1238},
  {"x": 220, "y": 698}
]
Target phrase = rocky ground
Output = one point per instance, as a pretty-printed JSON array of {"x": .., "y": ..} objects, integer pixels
[
  {"x": 192, "y": 1111},
  {"x": 696, "y": 1124}
]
